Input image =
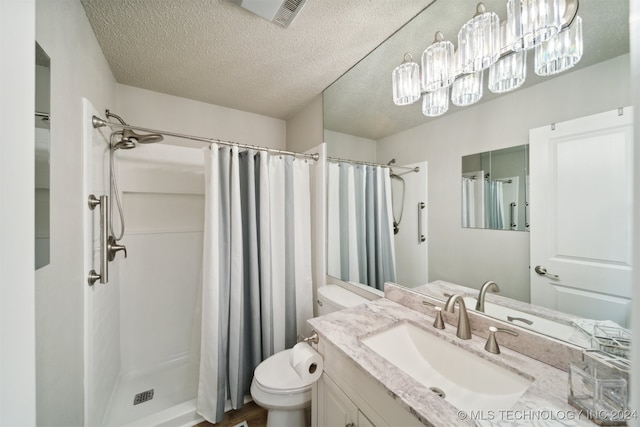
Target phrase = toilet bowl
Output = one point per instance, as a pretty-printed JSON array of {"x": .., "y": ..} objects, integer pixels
[{"x": 277, "y": 387}]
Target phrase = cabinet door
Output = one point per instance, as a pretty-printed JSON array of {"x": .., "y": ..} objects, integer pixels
[
  {"x": 363, "y": 421},
  {"x": 335, "y": 409}
]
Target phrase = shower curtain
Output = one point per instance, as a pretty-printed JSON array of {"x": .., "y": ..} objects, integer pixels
[
  {"x": 360, "y": 243},
  {"x": 468, "y": 202},
  {"x": 257, "y": 281},
  {"x": 473, "y": 200},
  {"x": 494, "y": 205}
]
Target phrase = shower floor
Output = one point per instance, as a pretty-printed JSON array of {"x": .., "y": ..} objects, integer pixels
[{"x": 174, "y": 385}]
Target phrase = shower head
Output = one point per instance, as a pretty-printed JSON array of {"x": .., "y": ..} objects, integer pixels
[
  {"x": 149, "y": 138},
  {"x": 125, "y": 144}
]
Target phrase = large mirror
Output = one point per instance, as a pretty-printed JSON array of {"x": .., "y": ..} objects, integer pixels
[
  {"x": 362, "y": 123},
  {"x": 42, "y": 165}
]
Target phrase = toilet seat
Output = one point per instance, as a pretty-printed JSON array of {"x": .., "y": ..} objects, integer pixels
[{"x": 275, "y": 375}]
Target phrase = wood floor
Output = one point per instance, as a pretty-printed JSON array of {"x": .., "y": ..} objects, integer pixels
[{"x": 254, "y": 415}]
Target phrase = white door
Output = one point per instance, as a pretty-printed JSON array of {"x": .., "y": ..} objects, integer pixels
[
  {"x": 412, "y": 239},
  {"x": 581, "y": 199}
]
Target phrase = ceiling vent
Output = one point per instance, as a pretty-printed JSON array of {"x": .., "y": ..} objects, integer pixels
[{"x": 280, "y": 12}]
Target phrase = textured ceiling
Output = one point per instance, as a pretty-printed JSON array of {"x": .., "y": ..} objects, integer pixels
[
  {"x": 360, "y": 103},
  {"x": 214, "y": 51}
]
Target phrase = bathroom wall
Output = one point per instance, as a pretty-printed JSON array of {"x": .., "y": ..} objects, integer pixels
[
  {"x": 78, "y": 69},
  {"x": 343, "y": 146},
  {"x": 17, "y": 320},
  {"x": 162, "y": 190},
  {"x": 471, "y": 256},
  {"x": 304, "y": 129},
  {"x": 180, "y": 115}
]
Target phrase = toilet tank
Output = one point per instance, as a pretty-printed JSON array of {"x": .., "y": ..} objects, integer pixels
[{"x": 333, "y": 298}]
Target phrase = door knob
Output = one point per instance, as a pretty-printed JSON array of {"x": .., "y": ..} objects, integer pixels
[{"x": 543, "y": 272}]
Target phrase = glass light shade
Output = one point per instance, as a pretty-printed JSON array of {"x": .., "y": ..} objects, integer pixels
[
  {"x": 479, "y": 41},
  {"x": 406, "y": 82},
  {"x": 561, "y": 52},
  {"x": 435, "y": 103},
  {"x": 437, "y": 65},
  {"x": 539, "y": 21},
  {"x": 508, "y": 73},
  {"x": 467, "y": 89}
]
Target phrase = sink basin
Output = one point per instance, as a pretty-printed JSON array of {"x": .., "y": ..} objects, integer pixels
[
  {"x": 548, "y": 327},
  {"x": 464, "y": 379}
]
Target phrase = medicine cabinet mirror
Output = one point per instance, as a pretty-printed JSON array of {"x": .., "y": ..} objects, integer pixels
[
  {"x": 42, "y": 164},
  {"x": 495, "y": 188}
]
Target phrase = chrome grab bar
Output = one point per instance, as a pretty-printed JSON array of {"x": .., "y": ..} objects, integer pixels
[
  {"x": 421, "y": 237},
  {"x": 103, "y": 202},
  {"x": 512, "y": 206}
]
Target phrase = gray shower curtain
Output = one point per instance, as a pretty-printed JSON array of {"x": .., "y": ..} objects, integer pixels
[
  {"x": 256, "y": 269},
  {"x": 360, "y": 242}
]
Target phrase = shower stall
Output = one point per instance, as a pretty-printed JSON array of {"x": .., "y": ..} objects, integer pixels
[
  {"x": 142, "y": 327},
  {"x": 143, "y": 299}
]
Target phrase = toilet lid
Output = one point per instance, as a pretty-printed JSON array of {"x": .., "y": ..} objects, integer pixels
[{"x": 276, "y": 374}]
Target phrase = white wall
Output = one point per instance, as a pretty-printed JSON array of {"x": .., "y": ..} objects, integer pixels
[
  {"x": 144, "y": 108},
  {"x": 470, "y": 256},
  {"x": 304, "y": 129},
  {"x": 78, "y": 69},
  {"x": 343, "y": 146},
  {"x": 17, "y": 328},
  {"x": 162, "y": 190}
]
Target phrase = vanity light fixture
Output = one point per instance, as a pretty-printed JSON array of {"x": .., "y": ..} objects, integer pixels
[
  {"x": 510, "y": 71},
  {"x": 479, "y": 41},
  {"x": 438, "y": 64},
  {"x": 551, "y": 27},
  {"x": 435, "y": 103},
  {"x": 406, "y": 82},
  {"x": 561, "y": 52},
  {"x": 467, "y": 89},
  {"x": 534, "y": 22}
]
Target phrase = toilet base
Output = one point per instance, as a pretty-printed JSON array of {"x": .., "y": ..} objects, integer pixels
[{"x": 291, "y": 418}]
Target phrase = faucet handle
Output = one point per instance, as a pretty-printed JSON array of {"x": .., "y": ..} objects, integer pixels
[
  {"x": 438, "y": 323},
  {"x": 113, "y": 248},
  {"x": 492, "y": 344}
]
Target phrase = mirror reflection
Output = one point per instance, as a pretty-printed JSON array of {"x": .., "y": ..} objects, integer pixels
[
  {"x": 360, "y": 119},
  {"x": 42, "y": 165},
  {"x": 495, "y": 188}
]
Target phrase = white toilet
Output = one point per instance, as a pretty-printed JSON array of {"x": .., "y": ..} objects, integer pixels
[{"x": 277, "y": 387}]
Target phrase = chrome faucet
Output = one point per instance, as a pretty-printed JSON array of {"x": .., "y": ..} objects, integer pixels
[
  {"x": 488, "y": 286},
  {"x": 464, "y": 329}
]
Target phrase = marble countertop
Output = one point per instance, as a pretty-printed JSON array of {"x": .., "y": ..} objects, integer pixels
[{"x": 544, "y": 403}]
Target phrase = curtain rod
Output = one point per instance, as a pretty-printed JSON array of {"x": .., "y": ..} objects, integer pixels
[
  {"x": 360, "y": 162},
  {"x": 355, "y": 162},
  {"x": 97, "y": 122},
  {"x": 473, "y": 177}
]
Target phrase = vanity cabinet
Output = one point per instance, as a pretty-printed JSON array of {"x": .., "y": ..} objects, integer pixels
[
  {"x": 335, "y": 407},
  {"x": 346, "y": 396}
]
